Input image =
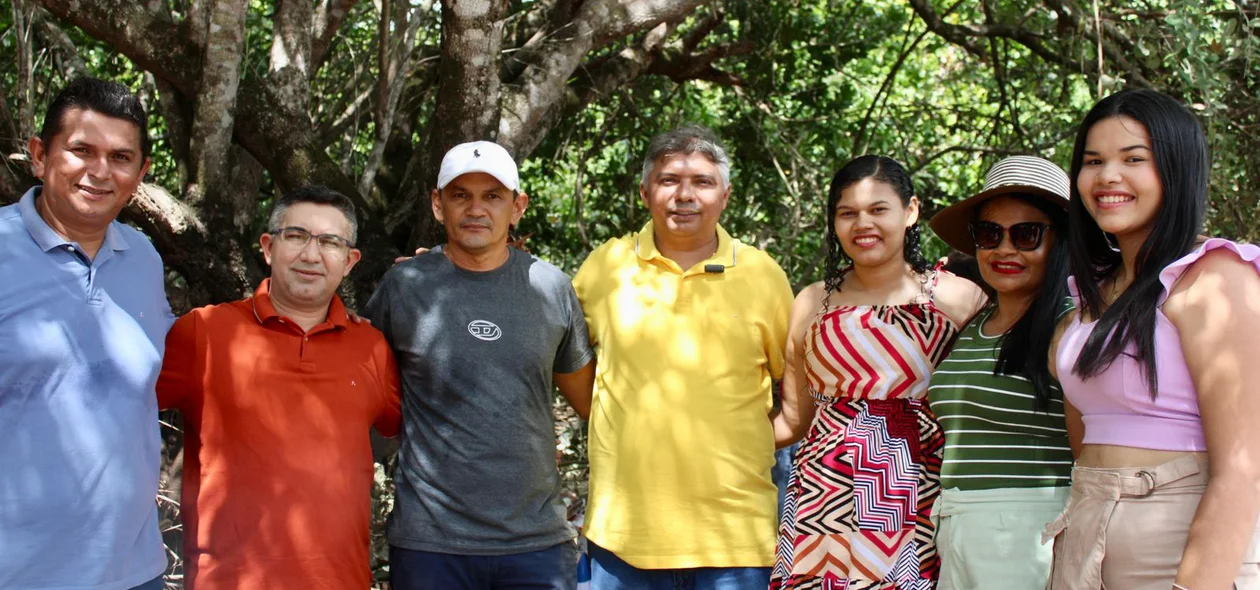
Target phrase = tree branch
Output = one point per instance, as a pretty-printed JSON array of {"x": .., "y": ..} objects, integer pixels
[
  {"x": 197, "y": 21},
  {"x": 966, "y": 36},
  {"x": 395, "y": 61},
  {"x": 681, "y": 68},
  {"x": 1110, "y": 36},
  {"x": 177, "y": 114},
  {"x": 71, "y": 64},
  {"x": 214, "y": 115},
  {"x": 14, "y": 179},
  {"x": 328, "y": 20},
  {"x": 290, "y": 68},
  {"x": 184, "y": 241},
  {"x": 23, "y": 28},
  {"x": 860, "y": 143},
  {"x": 605, "y": 75},
  {"x": 955, "y": 34},
  {"x": 468, "y": 89},
  {"x": 531, "y": 105}
]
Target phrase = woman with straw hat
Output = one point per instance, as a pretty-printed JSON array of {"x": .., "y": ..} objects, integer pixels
[{"x": 1007, "y": 460}]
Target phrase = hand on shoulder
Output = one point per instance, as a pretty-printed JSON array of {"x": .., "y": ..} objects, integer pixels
[{"x": 419, "y": 251}]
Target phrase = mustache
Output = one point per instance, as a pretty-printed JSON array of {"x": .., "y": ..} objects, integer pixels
[{"x": 475, "y": 223}]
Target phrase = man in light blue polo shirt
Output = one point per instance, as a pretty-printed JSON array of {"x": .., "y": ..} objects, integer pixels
[{"x": 83, "y": 320}]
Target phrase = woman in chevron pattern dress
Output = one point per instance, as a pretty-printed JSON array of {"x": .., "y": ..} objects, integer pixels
[{"x": 862, "y": 344}]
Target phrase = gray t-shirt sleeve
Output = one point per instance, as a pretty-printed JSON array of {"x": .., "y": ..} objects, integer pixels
[
  {"x": 376, "y": 310},
  {"x": 575, "y": 349}
]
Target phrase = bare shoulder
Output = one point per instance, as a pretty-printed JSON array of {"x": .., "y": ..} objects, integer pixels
[
  {"x": 812, "y": 294},
  {"x": 959, "y": 298},
  {"x": 808, "y": 301}
]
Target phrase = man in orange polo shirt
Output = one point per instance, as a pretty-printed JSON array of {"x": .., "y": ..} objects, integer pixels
[{"x": 278, "y": 392}]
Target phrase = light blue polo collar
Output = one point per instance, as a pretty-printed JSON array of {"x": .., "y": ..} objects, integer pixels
[{"x": 47, "y": 238}]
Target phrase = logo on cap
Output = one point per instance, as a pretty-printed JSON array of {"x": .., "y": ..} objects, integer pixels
[
  {"x": 484, "y": 330},
  {"x": 476, "y": 153}
]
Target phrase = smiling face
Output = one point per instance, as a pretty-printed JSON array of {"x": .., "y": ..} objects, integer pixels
[
  {"x": 306, "y": 276},
  {"x": 477, "y": 211},
  {"x": 1118, "y": 181},
  {"x": 89, "y": 169},
  {"x": 871, "y": 222},
  {"x": 686, "y": 197},
  {"x": 1008, "y": 270}
]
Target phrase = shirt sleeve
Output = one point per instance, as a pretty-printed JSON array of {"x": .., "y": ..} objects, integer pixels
[
  {"x": 376, "y": 310},
  {"x": 581, "y": 289},
  {"x": 180, "y": 381},
  {"x": 575, "y": 349},
  {"x": 389, "y": 420},
  {"x": 776, "y": 334}
]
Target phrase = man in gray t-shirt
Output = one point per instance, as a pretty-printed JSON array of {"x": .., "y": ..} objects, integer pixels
[{"x": 481, "y": 331}]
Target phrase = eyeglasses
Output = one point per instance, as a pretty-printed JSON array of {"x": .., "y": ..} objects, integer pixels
[
  {"x": 298, "y": 238},
  {"x": 1024, "y": 236}
]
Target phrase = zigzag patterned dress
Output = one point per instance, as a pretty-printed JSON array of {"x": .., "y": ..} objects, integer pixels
[{"x": 858, "y": 509}]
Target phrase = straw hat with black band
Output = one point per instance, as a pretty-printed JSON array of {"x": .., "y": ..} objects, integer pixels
[{"x": 1023, "y": 175}]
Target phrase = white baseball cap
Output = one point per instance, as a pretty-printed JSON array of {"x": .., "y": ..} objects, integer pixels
[{"x": 479, "y": 156}]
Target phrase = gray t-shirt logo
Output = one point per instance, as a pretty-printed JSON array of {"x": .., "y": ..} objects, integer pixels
[{"x": 484, "y": 330}]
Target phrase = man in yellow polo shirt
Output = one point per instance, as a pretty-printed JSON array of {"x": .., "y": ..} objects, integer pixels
[{"x": 689, "y": 327}]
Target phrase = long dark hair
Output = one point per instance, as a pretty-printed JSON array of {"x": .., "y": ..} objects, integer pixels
[
  {"x": 1026, "y": 345},
  {"x": 1181, "y": 159},
  {"x": 882, "y": 169}
]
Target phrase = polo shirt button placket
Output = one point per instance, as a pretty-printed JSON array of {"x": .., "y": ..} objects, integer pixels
[
  {"x": 308, "y": 366},
  {"x": 93, "y": 294}
]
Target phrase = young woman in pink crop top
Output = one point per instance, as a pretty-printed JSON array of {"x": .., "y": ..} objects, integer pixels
[{"x": 1157, "y": 365}]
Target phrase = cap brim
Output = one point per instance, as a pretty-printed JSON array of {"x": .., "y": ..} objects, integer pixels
[
  {"x": 483, "y": 170},
  {"x": 950, "y": 223}
]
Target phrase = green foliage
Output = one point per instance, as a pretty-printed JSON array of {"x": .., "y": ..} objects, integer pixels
[
  {"x": 825, "y": 81},
  {"x": 826, "y": 84}
]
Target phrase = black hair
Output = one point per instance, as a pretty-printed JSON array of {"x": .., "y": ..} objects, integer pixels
[
  {"x": 320, "y": 195},
  {"x": 882, "y": 169},
  {"x": 107, "y": 98},
  {"x": 1181, "y": 158},
  {"x": 1026, "y": 345}
]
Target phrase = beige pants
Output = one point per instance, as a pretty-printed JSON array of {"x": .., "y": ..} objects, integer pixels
[{"x": 1125, "y": 529}]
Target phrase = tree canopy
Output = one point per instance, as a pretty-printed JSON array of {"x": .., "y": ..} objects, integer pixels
[
  {"x": 253, "y": 97},
  {"x": 249, "y": 98}
]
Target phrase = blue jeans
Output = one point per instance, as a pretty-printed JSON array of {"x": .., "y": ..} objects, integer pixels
[
  {"x": 154, "y": 584},
  {"x": 553, "y": 568},
  {"x": 609, "y": 572},
  {"x": 782, "y": 472}
]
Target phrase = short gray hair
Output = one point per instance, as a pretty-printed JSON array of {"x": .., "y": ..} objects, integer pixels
[
  {"x": 687, "y": 140},
  {"x": 319, "y": 195}
]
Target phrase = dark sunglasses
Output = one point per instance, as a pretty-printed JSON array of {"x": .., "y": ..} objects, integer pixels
[{"x": 1024, "y": 236}]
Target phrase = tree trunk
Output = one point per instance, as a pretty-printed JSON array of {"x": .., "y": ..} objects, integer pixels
[{"x": 467, "y": 102}]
